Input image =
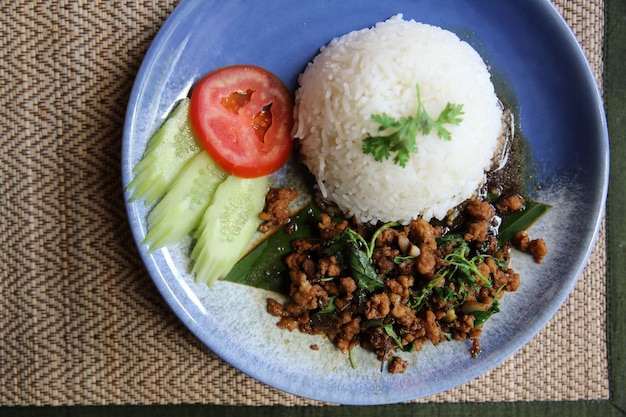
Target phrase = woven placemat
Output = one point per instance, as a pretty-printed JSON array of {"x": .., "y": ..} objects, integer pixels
[{"x": 80, "y": 320}]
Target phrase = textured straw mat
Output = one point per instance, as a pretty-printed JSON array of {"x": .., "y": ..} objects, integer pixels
[{"x": 80, "y": 320}]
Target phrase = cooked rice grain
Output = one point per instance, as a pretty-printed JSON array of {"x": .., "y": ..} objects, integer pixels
[{"x": 376, "y": 70}]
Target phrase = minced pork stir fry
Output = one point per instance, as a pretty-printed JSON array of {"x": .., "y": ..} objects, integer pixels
[{"x": 395, "y": 288}]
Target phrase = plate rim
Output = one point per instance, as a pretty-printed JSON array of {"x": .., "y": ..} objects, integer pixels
[{"x": 169, "y": 293}]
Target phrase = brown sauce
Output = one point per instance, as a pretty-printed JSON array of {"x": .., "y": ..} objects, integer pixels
[{"x": 510, "y": 177}]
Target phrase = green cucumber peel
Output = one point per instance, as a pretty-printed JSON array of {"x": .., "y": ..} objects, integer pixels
[
  {"x": 227, "y": 227},
  {"x": 168, "y": 150},
  {"x": 179, "y": 212}
]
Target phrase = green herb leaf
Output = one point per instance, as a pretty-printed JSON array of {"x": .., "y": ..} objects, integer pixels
[
  {"x": 399, "y": 259},
  {"x": 446, "y": 293},
  {"x": 353, "y": 251},
  {"x": 460, "y": 269},
  {"x": 264, "y": 266},
  {"x": 483, "y": 316},
  {"x": 351, "y": 357},
  {"x": 391, "y": 333},
  {"x": 521, "y": 220},
  {"x": 330, "y": 307},
  {"x": 363, "y": 272},
  {"x": 345, "y": 247},
  {"x": 418, "y": 300},
  {"x": 465, "y": 269},
  {"x": 402, "y": 135},
  {"x": 451, "y": 114}
]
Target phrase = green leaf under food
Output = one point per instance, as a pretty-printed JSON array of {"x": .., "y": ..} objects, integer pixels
[
  {"x": 264, "y": 266},
  {"x": 521, "y": 220}
]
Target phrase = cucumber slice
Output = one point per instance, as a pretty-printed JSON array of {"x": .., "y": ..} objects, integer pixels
[
  {"x": 228, "y": 226},
  {"x": 182, "y": 207},
  {"x": 166, "y": 153}
]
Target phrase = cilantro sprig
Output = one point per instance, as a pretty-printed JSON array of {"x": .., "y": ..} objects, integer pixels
[{"x": 402, "y": 139}]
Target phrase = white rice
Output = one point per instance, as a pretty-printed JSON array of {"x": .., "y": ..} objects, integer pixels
[{"x": 376, "y": 70}]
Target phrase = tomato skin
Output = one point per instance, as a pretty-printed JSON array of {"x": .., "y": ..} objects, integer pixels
[{"x": 243, "y": 117}]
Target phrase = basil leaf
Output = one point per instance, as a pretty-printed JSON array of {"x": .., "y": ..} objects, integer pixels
[
  {"x": 391, "y": 333},
  {"x": 521, "y": 220},
  {"x": 446, "y": 293},
  {"x": 336, "y": 247},
  {"x": 264, "y": 266},
  {"x": 346, "y": 247},
  {"x": 483, "y": 316},
  {"x": 418, "y": 300},
  {"x": 363, "y": 271}
]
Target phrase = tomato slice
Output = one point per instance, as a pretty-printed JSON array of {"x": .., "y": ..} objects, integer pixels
[{"x": 243, "y": 116}]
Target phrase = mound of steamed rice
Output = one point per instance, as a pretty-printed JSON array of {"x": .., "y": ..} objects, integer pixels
[{"x": 376, "y": 70}]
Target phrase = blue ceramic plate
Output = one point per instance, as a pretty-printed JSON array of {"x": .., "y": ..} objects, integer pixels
[{"x": 538, "y": 69}]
